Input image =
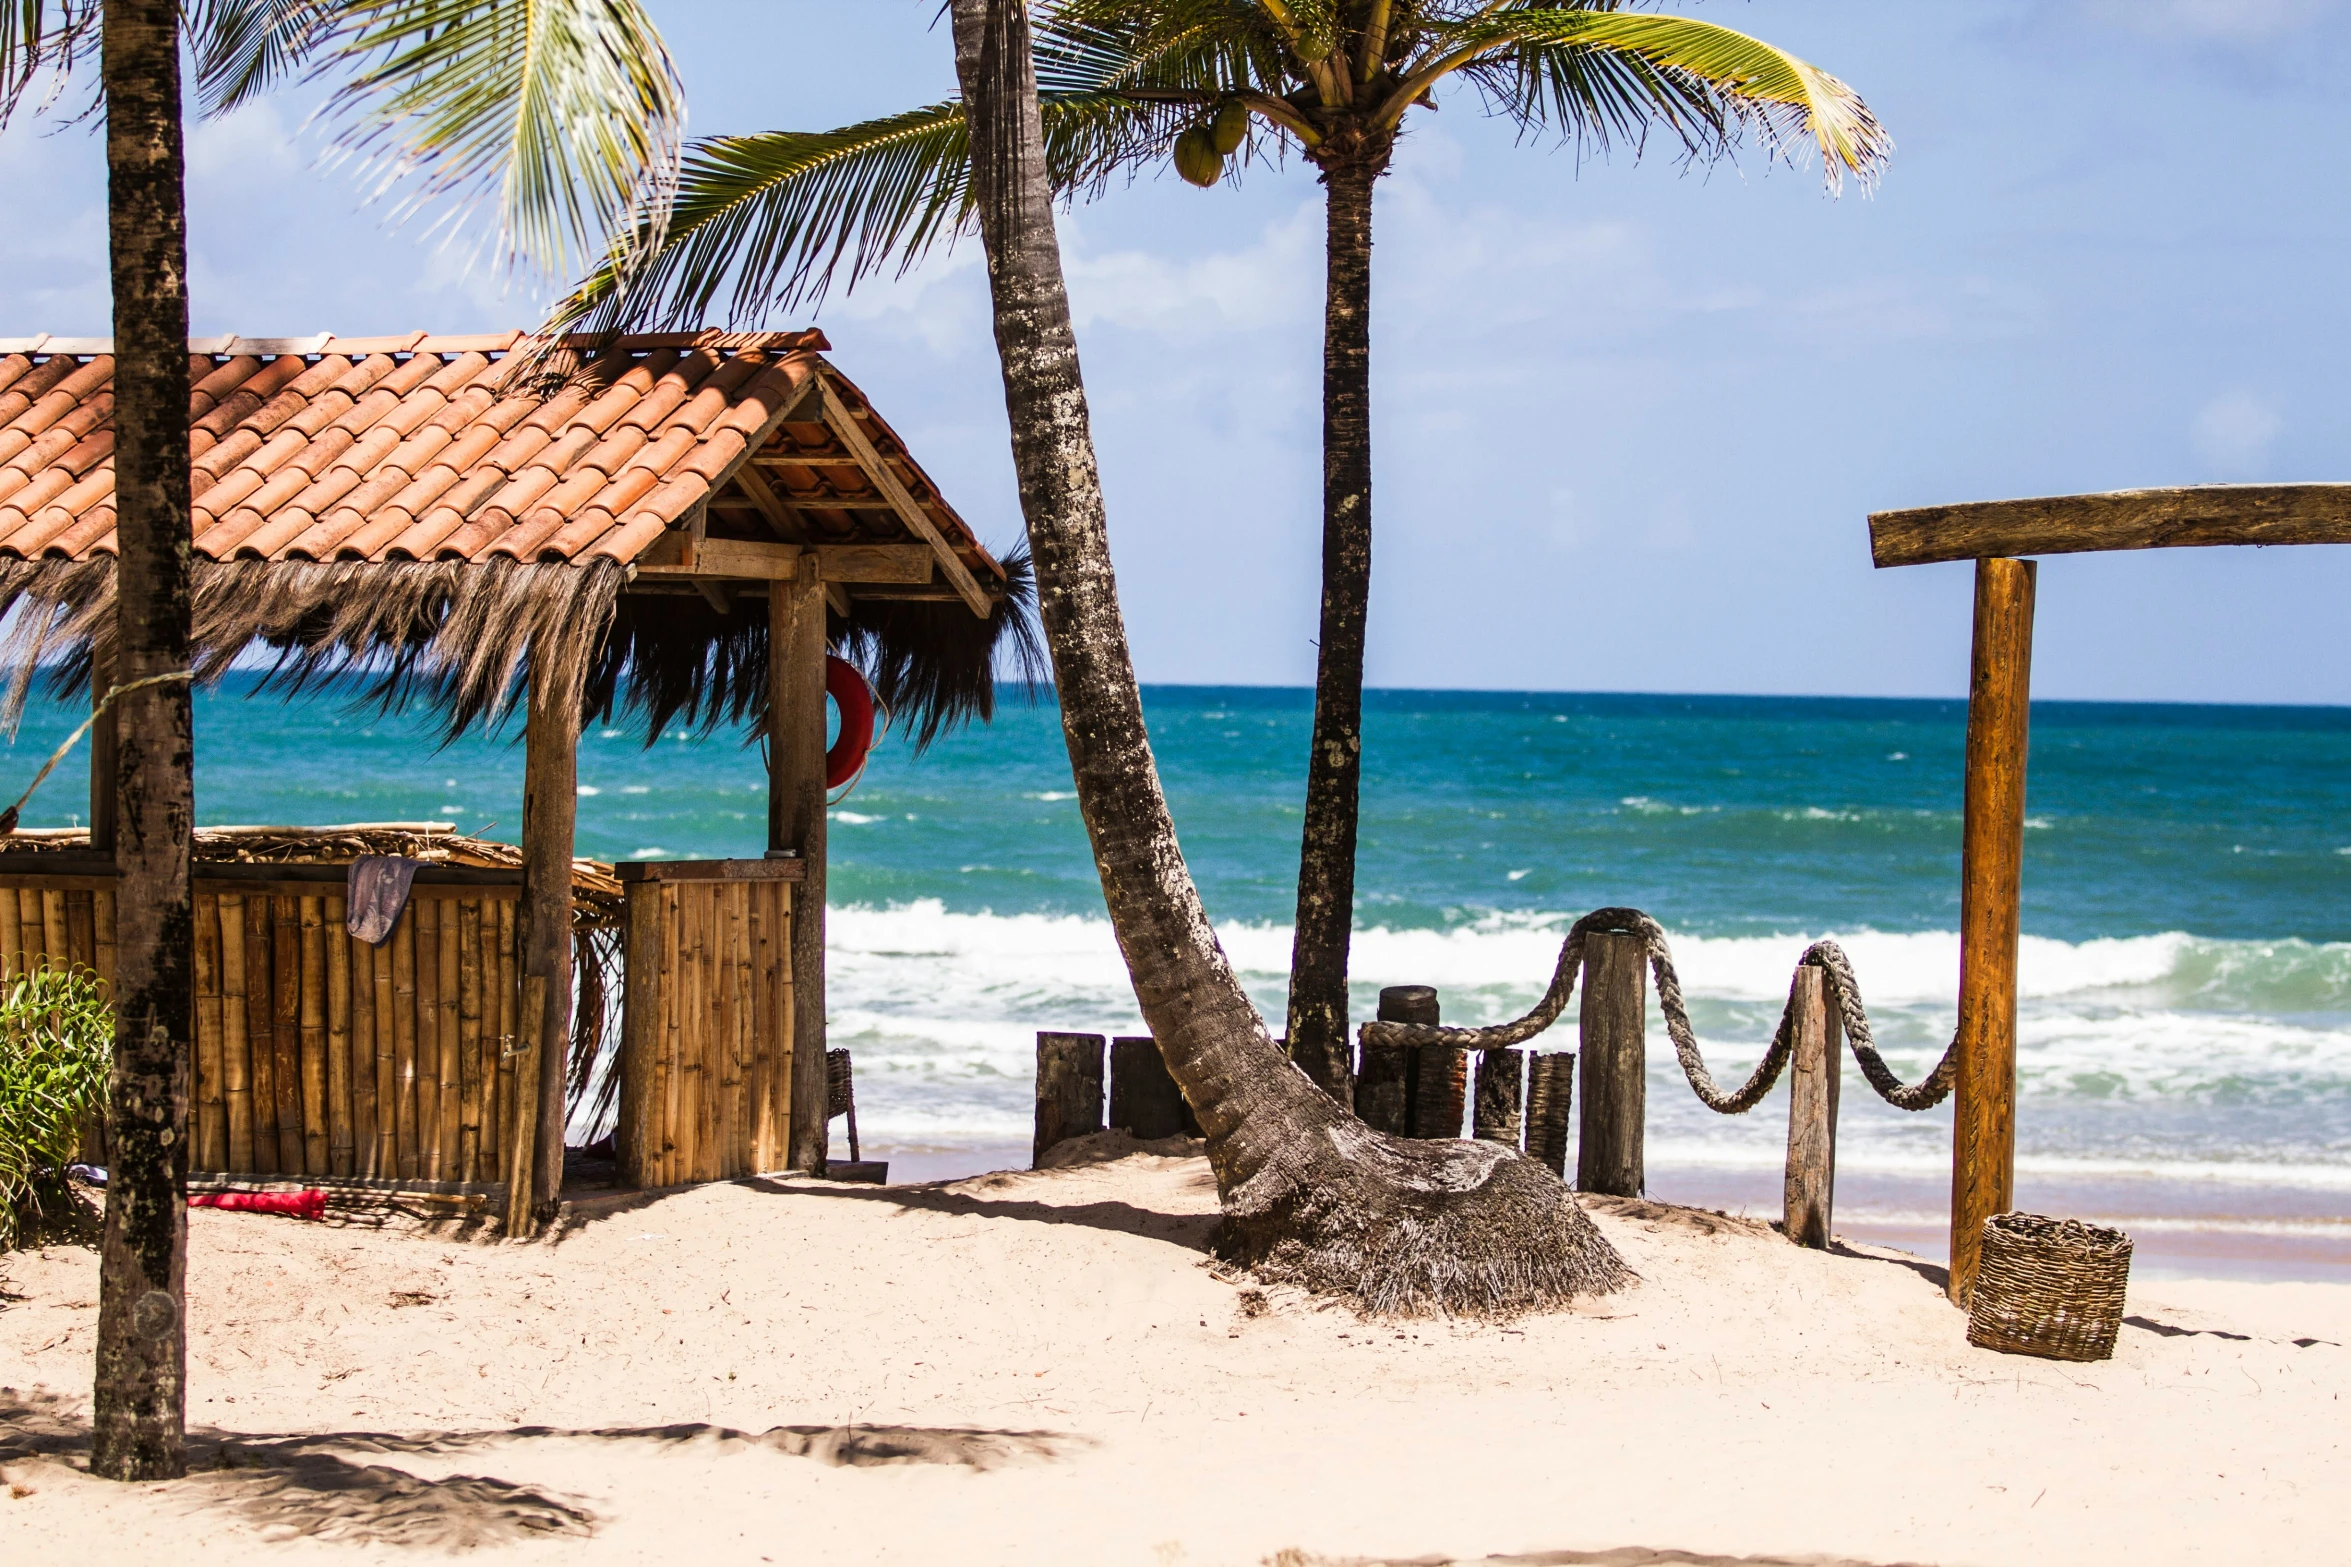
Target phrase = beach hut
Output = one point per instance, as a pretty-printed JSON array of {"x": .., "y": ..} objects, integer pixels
[{"x": 672, "y": 529}]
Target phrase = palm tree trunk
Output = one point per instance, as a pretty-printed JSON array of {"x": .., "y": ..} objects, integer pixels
[
  {"x": 1310, "y": 1195},
  {"x": 1326, "y": 852},
  {"x": 139, "y": 1408}
]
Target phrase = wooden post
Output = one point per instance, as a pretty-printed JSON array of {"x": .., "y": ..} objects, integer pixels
[
  {"x": 1144, "y": 1099},
  {"x": 1999, "y": 687},
  {"x": 550, "y": 808},
  {"x": 1440, "y": 1090},
  {"x": 1496, "y": 1117},
  {"x": 1383, "y": 1086},
  {"x": 1069, "y": 1090},
  {"x": 1616, "y": 1085},
  {"x": 103, "y": 751},
  {"x": 796, "y": 822},
  {"x": 1816, "y": 1064},
  {"x": 1550, "y": 1094}
]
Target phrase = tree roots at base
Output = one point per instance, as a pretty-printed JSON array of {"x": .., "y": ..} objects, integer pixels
[{"x": 1404, "y": 1227}]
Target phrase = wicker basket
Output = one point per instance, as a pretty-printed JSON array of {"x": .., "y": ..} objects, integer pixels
[{"x": 2049, "y": 1287}]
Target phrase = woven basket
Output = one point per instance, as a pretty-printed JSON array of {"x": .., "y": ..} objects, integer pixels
[{"x": 2049, "y": 1287}]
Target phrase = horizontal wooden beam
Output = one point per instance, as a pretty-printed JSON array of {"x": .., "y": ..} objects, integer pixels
[
  {"x": 785, "y": 869},
  {"x": 679, "y": 555},
  {"x": 2203, "y": 514}
]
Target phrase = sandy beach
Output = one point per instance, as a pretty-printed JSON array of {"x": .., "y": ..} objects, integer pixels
[{"x": 1046, "y": 1367}]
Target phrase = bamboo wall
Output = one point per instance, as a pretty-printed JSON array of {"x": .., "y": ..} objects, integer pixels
[
  {"x": 317, "y": 1054},
  {"x": 706, "y": 1052}
]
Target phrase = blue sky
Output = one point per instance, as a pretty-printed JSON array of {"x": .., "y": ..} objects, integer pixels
[{"x": 1630, "y": 417}]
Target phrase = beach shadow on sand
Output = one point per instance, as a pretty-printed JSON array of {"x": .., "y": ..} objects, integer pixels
[
  {"x": 1621, "y": 1556},
  {"x": 304, "y": 1486},
  {"x": 1190, "y": 1231}
]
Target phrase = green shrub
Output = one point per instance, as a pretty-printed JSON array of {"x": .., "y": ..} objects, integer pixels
[{"x": 56, "y": 1040}]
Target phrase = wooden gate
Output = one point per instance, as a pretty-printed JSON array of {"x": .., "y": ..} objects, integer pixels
[{"x": 706, "y": 1031}]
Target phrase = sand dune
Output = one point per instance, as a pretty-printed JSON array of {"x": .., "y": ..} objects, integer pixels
[{"x": 1045, "y": 1367}]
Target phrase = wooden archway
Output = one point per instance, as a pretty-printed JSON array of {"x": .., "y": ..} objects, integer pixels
[{"x": 1996, "y": 535}]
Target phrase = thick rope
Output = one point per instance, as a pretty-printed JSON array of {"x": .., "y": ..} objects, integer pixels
[{"x": 1844, "y": 991}]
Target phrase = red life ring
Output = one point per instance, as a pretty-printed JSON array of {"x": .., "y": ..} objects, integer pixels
[{"x": 847, "y": 686}]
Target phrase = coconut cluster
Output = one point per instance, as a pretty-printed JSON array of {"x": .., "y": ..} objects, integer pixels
[{"x": 1200, "y": 152}]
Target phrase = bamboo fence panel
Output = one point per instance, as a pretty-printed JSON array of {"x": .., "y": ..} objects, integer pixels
[{"x": 307, "y": 1039}]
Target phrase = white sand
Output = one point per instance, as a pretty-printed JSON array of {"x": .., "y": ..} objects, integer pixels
[{"x": 1082, "y": 1388}]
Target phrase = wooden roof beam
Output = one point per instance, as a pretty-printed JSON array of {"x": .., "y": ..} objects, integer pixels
[
  {"x": 2205, "y": 514},
  {"x": 918, "y": 521}
]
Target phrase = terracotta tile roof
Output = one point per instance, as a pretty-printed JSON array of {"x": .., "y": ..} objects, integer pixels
[{"x": 405, "y": 448}]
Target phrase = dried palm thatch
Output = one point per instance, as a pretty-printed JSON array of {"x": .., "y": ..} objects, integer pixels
[{"x": 454, "y": 636}]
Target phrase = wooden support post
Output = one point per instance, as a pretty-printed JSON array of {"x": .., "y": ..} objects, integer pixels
[
  {"x": 1999, "y": 689},
  {"x": 1069, "y": 1090},
  {"x": 1550, "y": 1094},
  {"x": 1496, "y": 1118},
  {"x": 1440, "y": 1090},
  {"x": 1383, "y": 1084},
  {"x": 796, "y": 822},
  {"x": 1609, "y": 1143},
  {"x": 1144, "y": 1099},
  {"x": 1816, "y": 1064},
  {"x": 103, "y": 751},
  {"x": 550, "y": 808}
]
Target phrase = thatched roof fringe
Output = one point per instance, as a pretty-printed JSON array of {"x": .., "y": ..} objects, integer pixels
[{"x": 454, "y": 635}]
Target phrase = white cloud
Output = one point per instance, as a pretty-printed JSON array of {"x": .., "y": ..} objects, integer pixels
[{"x": 2234, "y": 433}]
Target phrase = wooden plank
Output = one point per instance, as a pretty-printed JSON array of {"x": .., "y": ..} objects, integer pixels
[
  {"x": 796, "y": 822},
  {"x": 509, "y": 1026},
  {"x": 55, "y": 941},
  {"x": 81, "y": 930},
  {"x": 759, "y": 924},
  {"x": 12, "y": 942},
  {"x": 105, "y": 913},
  {"x": 793, "y": 869},
  {"x": 861, "y": 563},
  {"x": 342, "y": 1125},
  {"x": 673, "y": 1011},
  {"x": 28, "y": 912},
  {"x": 2205, "y": 514},
  {"x": 469, "y": 1043},
  {"x": 261, "y": 1034},
  {"x": 210, "y": 1136},
  {"x": 427, "y": 915},
  {"x": 369, "y": 1079},
  {"x": 408, "y": 1139},
  {"x": 1983, "y": 1133},
  {"x": 236, "y": 1059},
  {"x": 702, "y": 1031},
  {"x": 285, "y": 1028},
  {"x": 634, "y": 1141},
  {"x": 1816, "y": 1062},
  {"x": 521, "y": 1148},
  {"x": 918, "y": 521},
  {"x": 1069, "y": 1090},
  {"x": 452, "y": 1040},
  {"x": 735, "y": 1035},
  {"x": 1610, "y": 1138},
  {"x": 312, "y": 1010},
  {"x": 783, "y": 1023}
]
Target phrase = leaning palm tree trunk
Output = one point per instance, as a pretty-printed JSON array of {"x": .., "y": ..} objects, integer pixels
[
  {"x": 1310, "y": 1195},
  {"x": 139, "y": 1408},
  {"x": 1334, "y": 768}
]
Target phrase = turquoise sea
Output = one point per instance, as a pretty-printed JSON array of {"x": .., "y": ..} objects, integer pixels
[{"x": 2185, "y": 1037}]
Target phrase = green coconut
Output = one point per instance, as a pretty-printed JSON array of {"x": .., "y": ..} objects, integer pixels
[
  {"x": 1230, "y": 127},
  {"x": 1196, "y": 157}
]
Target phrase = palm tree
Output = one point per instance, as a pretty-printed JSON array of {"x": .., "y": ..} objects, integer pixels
[
  {"x": 1310, "y": 1195},
  {"x": 563, "y": 108},
  {"x": 771, "y": 220}
]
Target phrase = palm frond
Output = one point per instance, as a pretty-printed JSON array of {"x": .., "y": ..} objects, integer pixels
[
  {"x": 244, "y": 48},
  {"x": 38, "y": 40},
  {"x": 1590, "y": 69},
  {"x": 773, "y": 221},
  {"x": 567, "y": 115}
]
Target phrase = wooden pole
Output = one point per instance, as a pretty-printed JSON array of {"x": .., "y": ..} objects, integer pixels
[
  {"x": 1383, "y": 1088},
  {"x": 1609, "y": 1155},
  {"x": 1144, "y": 1099},
  {"x": 1069, "y": 1090},
  {"x": 1496, "y": 1117},
  {"x": 550, "y": 807},
  {"x": 1817, "y": 1063},
  {"x": 1550, "y": 1095},
  {"x": 796, "y": 821},
  {"x": 1999, "y": 687}
]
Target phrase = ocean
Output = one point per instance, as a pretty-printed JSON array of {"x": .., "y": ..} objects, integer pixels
[{"x": 2185, "y": 1025}]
